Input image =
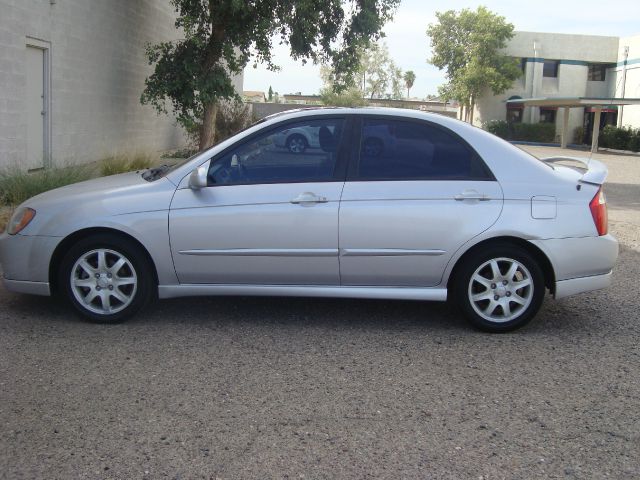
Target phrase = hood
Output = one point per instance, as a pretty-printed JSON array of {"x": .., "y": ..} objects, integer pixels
[
  {"x": 95, "y": 202},
  {"x": 103, "y": 188}
]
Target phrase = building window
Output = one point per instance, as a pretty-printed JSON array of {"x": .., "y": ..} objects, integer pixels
[
  {"x": 523, "y": 66},
  {"x": 514, "y": 115},
  {"x": 547, "y": 115},
  {"x": 597, "y": 72},
  {"x": 550, "y": 68}
]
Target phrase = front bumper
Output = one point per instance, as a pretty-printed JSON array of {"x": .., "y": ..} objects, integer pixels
[{"x": 25, "y": 262}]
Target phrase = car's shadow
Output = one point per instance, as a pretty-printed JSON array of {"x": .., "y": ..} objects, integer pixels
[{"x": 592, "y": 313}]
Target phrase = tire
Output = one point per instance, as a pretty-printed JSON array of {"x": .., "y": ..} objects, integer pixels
[
  {"x": 296, "y": 143},
  {"x": 503, "y": 300},
  {"x": 106, "y": 278}
]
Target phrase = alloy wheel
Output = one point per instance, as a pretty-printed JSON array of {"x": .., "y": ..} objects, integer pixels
[
  {"x": 103, "y": 281},
  {"x": 500, "y": 290}
]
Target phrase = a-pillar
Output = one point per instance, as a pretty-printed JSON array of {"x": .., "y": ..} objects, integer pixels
[{"x": 596, "y": 129}]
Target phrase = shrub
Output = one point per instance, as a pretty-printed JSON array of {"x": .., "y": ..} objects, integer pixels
[
  {"x": 232, "y": 117},
  {"x": 352, "y": 97},
  {"x": 17, "y": 185},
  {"x": 614, "y": 137},
  {"x": 5, "y": 215},
  {"x": 534, "y": 132},
  {"x": 625, "y": 138},
  {"x": 634, "y": 141},
  {"x": 125, "y": 163},
  {"x": 578, "y": 136},
  {"x": 499, "y": 128},
  {"x": 527, "y": 132}
]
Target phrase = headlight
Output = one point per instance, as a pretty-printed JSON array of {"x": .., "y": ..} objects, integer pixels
[{"x": 20, "y": 220}]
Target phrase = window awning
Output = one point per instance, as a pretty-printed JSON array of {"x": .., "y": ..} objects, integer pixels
[{"x": 573, "y": 102}]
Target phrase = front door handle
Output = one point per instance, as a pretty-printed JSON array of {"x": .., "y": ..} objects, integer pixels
[
  {"x": 471, "y": 195},
  {"x": 308, "y": 197}
]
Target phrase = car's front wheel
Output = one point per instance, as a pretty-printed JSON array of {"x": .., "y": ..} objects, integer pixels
[
  {"x": 106, "y": 278},
  {"x": 500, "y": 288}
]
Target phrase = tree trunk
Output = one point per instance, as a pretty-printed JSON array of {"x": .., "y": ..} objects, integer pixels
[
  {"x": 471, "y": 108},
  {"x": 208, "y": 128}
]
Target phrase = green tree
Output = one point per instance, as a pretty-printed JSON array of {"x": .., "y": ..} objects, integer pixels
[
  {"x": 270, "y": 93},
  {"x": 347, "y": 96},
  {"x": 381, "y": 77},
  {"x": 467, "y": 45},
  {"x": 378, "y": 77},
  {"x": 409, "y": 80},
  {"x": 222, "y": 36}
]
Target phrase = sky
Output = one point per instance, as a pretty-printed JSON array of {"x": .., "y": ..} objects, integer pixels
[{"x": 409, "y": 45}]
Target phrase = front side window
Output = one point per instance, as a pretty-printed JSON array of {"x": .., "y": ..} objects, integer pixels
[
  {"x": 304, "y": 151},
  {"x": 550, "y": 68},
  {"x": 406, "y": 150}
]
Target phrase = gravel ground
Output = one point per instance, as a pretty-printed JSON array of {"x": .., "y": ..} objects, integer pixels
[{"x": 297, "y": 388}]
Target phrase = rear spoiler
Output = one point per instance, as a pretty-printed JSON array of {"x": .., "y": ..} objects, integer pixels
[{"x": 595, "y": 171}]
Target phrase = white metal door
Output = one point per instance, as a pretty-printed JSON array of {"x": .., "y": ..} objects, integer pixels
[{"x": 35, "y": 107}]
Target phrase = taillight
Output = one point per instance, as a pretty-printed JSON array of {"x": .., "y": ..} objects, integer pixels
[{"x": 598, "y": 207}]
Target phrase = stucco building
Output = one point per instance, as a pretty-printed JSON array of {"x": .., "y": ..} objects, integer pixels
[
  {"x": 71, "y": 75},
  {"x": 563, "y": 65}
]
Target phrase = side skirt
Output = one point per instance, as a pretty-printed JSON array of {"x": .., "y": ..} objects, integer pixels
[{"x": 391, "y": 293}]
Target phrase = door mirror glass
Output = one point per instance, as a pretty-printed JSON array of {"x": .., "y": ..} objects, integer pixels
[{"x": 198, "y": 178}]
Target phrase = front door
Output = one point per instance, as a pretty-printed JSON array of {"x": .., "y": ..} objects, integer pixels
[
  {"x": 414, "y": 195},
  {"x": 270, "y": 213}
]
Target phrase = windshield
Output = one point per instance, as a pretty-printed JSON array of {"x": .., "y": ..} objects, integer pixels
[
  {"x": 155, "y": 173},
  {"x": 161, "y": 171}
]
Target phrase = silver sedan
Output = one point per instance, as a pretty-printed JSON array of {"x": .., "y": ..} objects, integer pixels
[{"x": 392, "y": 204}]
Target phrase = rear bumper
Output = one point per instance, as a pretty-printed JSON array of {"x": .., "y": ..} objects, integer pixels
[
  {"x": 573, "y": 286},
  {"x": 573, "y": 258}
]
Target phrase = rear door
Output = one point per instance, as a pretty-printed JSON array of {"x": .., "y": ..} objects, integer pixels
[{"x": 415, "y": 193}]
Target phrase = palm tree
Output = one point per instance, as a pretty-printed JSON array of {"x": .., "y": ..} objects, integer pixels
[{"x": 409, "y": 78}]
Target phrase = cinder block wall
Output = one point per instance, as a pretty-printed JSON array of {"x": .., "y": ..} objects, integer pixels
[{"x": 97, "y": 73}]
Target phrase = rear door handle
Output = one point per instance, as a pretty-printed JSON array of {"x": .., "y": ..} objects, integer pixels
[
  {"x": 471, "y": 195},
  {"x": 308, "y": 197}
]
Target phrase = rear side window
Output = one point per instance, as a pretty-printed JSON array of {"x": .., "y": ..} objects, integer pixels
[{"x": 406, "y": 150}]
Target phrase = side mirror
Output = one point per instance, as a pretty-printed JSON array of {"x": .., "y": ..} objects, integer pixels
[{"x": 198, "y": 178}]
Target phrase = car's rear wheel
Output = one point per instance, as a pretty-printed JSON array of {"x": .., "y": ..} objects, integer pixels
[
  {"x": 296, "y": 143},
  {"x": 107, "y": 278},
  {"x": 500, "y": 288}
]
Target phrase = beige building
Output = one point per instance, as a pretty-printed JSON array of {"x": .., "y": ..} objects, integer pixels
[
  {"x": 569, "y": 66},
  {"x": 71, "y": 75}
]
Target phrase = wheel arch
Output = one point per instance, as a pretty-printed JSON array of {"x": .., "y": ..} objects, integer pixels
[
  {"x": 533, "y": 250},
  {"x": 68, "y": 241}
]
